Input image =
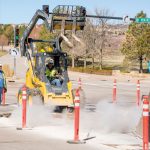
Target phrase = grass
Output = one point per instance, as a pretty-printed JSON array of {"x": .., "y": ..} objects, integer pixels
[
  {"x": 91, "y": 71},
  {"x": 7, "y": 70}
]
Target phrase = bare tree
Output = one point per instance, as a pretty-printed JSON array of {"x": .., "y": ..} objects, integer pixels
[
  {"x": 101, "y": 35},
  {"x": 3, "y": 41},
  {"x": 94, "y": 38},
  {"x": 89, "y": 38}
]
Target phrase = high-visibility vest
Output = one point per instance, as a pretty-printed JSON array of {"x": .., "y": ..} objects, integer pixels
[
  {"x": 51, "y": 73},
  {"x": 2, "y": 80}
]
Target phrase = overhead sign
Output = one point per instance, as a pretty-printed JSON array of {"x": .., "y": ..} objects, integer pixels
[
  {"x": 14, "y": 52},
  {"x": 142, "y": 20}
]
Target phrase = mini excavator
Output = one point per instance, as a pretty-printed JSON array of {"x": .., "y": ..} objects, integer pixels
[{"x": 63, "y": 17}]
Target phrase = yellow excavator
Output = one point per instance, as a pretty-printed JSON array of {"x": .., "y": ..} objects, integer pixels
[{"x": 63, "y": 17}]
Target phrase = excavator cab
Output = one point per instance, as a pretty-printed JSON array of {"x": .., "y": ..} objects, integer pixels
[{"x": 68, "y": 17}]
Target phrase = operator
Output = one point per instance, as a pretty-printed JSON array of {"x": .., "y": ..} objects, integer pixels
[
  {"x": 3, "y": 85},
  {"x": 52, "y": 73}
]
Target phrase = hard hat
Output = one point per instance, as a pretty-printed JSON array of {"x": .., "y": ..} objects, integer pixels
[
  {"x": 0, "y": 65},
  {"x": 50, "y": 49},
  {"x": 42, "y": 50},
  {"x": 51, "y": 61}
]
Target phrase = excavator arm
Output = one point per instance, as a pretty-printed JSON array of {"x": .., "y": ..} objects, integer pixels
[
  {"x": 63, "y": 17},
  {"x": 38, "y": 15}
]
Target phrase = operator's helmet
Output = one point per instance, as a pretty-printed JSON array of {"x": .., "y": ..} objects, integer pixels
[
  {"x": 49, "y": 49},
  {"x": 51, "y": 61}
]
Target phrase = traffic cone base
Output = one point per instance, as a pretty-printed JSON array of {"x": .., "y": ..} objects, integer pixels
[
  {"x": 26, "y": 128},
  {"x": 76, "y": 142}
]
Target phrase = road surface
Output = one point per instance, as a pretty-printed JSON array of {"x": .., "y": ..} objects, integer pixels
[{"x": 113, "y": 125}]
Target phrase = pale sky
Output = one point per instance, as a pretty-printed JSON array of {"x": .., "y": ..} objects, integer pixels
[{"x": 21, "y": 11}]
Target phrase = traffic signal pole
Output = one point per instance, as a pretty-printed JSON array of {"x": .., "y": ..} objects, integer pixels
[
  {"x": 99, "y": 17},
  {"x": 14, "y": 27},
  {"x": 14, "y": 47},
  {"x": 14, "y": 66},
  {"x": 110, "y": 17},
  {"x": 16, "y": 43}
]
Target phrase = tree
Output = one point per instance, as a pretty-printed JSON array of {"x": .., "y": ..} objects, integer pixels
[
  {"x": 137, "y": 43},
  {"x": 9, "y": 33},
  {"x": 44, "y": 35},
  {"x": 1, "y": 29},
  {"x": 3, "y": 41},
  {"x": 21, "y": 30},
  {"x": 88, "y": 36},
  {"x": 101, "y": 35}
]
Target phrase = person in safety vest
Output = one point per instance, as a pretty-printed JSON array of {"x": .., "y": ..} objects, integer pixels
[
  {"x": 52, "y": 73},
  {"x": 3, "y": 85}
]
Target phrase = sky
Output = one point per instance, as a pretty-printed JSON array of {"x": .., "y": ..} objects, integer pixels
[{"x": 21, "y": 11}]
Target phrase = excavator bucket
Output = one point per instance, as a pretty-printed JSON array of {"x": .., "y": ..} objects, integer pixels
[{"x": 68, "y": 17}]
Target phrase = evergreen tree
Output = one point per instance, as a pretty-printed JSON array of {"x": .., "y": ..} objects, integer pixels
[{"x": 137, "y": 43}]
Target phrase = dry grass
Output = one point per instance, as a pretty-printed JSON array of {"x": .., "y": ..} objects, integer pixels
[
  {"x": 2, "y": 53},
  {"x": 8, "y": 72},
  {"x": 91, "y": 71}
]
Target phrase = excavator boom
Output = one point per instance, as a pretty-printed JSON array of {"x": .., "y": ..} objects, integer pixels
[{"x": 38, "y": 15}]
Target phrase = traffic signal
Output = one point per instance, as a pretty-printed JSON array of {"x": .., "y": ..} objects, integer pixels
[
  {"x": 83, "y": 11},
  {"x": 46, "y": 9},
  {"x": 16, "y": 37}
]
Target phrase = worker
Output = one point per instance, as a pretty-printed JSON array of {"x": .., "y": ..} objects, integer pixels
[
  {"x": 52, "y": 73},
  {"x": 2, "y": 83},
  {"x": 148, "y": 64}
]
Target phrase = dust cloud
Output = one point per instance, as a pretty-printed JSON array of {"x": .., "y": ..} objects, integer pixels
[
  {"x": 107, "y": 118},
  {"x": 111, "y": 117}
]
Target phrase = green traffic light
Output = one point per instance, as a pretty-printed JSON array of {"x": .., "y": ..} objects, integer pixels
[{"x": 17, "y": 37}]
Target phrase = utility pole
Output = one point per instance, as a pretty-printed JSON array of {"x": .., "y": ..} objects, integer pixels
[{"x": 16, "y": 43}]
